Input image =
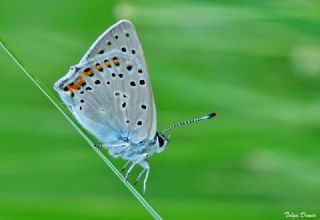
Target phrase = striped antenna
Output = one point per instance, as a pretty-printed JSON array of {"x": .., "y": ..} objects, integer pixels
[{"x": 211, "y": 115}]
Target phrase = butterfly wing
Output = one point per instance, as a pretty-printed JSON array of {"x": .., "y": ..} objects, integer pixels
[
  {"x": 109, "y": 91},
  {"x": 118, "y": 36}
]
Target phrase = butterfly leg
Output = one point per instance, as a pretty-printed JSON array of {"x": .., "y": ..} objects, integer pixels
[
  {"x": 129, "y": 170},
  {"x": 146, "y": 166},
  {"x": 139, "y": 176},
  {"x": 135, "y": 162},
  {"x": 125, "y": 166}
]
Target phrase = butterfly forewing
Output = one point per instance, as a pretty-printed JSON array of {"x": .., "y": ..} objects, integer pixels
[
  {"x": 109, "y": 91},
  {"x": 121, "y": 36}
]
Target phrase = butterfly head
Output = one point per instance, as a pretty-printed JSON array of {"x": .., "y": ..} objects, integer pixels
[{"x": 162, "y": 142}]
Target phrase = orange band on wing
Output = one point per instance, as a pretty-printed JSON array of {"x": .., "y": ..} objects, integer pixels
[
  {"x": 78, "y": 84},
  {"x": 108, "y": 64},
  {"x": 88, "y": 72},
  {"x": 116, "y": 61},
  {"x": 75, "y": 86},
  {"x": 99, "y": 67}
]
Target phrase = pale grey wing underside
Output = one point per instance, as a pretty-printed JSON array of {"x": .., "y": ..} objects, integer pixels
[
  {"x": 120, "y": 36},
  {"x": 109, "y": 91}
]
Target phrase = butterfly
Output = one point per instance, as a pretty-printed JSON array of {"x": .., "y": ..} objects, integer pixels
[{"x": 109, "y": 93}]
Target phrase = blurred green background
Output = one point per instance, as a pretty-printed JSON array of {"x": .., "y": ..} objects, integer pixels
[{"x": 256, "y": 63}]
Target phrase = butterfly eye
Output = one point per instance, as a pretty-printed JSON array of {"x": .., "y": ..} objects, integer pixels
[{"x": 161, "y": 142}]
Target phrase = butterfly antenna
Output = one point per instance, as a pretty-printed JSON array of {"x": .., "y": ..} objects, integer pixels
[{"x": 211, "y": 115}]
